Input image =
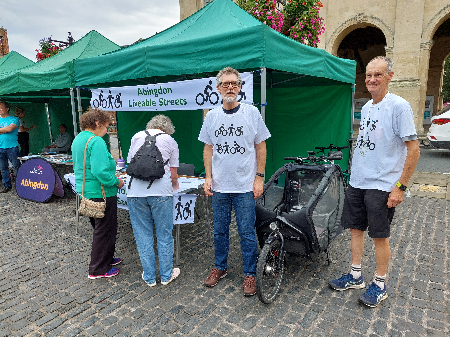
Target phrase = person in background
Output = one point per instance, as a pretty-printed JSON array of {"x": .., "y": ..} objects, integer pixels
[
  {"x": 23, "y": 136},
  {"x": 154, "y": 205},
  {"x": 235, "y": 157},
  {"x": 9, "y": 147},
  {"x": 100, "y": 169},
  {"x": 386, "y": 155},
  {"x": 62, "y": 142}
]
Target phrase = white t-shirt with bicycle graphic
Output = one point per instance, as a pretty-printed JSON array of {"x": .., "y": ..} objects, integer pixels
[
  {"x": 233, "y": 137},
  {"x": 380, "y": 151}
]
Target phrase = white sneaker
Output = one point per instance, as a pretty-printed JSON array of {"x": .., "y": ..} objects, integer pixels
[
  {"x": 149, "y": 284},
  {"x": 175, "y": 274}
]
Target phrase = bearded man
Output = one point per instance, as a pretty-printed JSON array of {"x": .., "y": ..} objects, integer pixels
[{"x": 234, "y": 157}]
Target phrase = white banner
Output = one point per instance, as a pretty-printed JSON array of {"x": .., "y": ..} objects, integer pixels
[{"x": 183, "y": 95}]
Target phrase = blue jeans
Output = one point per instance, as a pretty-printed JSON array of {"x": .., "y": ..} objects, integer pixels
[
  {"x": 12, "y": 153},
  {"x": 244, "y": 209},
  {"x": 144, "y": 212}
]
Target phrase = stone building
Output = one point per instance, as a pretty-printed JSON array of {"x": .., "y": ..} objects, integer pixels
[
  {"x": 4, "y": 47},
  {"x": 414, "y": 33}
]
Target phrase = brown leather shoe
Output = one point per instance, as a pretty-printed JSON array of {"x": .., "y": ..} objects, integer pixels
[
  {"x": 214, "y": 277},
  {"x": 249, "y": 286}
]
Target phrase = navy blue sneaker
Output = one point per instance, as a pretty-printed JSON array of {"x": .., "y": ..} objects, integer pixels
[
  {"x": 111, "y": 273},
  {"x": 347, "y": 281},
  {"x": 116, "y": 261},
  {"x": 373, "y": 295}
]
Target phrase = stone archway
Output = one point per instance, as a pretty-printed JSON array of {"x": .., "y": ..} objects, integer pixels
[
  {"x": 438, "y": 53},
  {"x": 359, "y": 21},
  {"x": 362, "y": 44},
  {"x": 434, "y": 24},
  {"x": 433, "y": 50},
  {"x": 371, "y": 37}
]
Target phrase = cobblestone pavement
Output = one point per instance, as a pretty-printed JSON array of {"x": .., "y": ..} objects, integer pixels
[{"x": 44, "y": 289}]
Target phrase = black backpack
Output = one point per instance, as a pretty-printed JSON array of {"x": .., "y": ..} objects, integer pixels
[{"x": 148, "y": 163}]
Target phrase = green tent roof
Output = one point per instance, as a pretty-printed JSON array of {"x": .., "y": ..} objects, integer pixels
[
  {"x": 220, "y": 34},
  {"x": 56, "y": 72},
  {"x": 13, "y": 61}
]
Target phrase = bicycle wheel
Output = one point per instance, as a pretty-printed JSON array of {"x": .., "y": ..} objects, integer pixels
[{"x": 269, "y": 271}]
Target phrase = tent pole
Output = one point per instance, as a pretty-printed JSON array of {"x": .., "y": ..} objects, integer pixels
[
  {"x": 80, "y": 108},
  {"x": 74, "y": 116},
  {"x": 263, "y": 92},
  {"x": 117, "y": 135},
  {"x": 353, "y": 109},
  {"x": 48, "y": 122}
]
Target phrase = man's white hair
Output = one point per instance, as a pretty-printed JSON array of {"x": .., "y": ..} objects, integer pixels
[{"x": 387, "y": 60}]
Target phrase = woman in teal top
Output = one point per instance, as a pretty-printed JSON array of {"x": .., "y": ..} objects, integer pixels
[{"x": 100, "y": 169}]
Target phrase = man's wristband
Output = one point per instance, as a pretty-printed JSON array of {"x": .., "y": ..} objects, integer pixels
[
  {"x": 401, "y": 186},
  {"x": 260, "y": 174}
]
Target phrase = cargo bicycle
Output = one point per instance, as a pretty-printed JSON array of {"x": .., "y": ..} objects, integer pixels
[{"x": 298, "y": 213}]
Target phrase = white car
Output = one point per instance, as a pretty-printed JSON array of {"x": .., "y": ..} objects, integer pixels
[{"x": 439, "y": 133}]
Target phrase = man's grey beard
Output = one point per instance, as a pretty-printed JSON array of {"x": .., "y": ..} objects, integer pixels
[{"x": 229, "y": 99}]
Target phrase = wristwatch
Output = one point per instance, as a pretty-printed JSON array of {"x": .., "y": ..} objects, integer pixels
[
  {"x": 260, "y": 174},
  {"x": 401, "y": 186}
]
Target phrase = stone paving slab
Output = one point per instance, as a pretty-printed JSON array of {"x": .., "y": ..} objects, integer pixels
[
  {"x": 44, "y": 289},
  {"x": 430, "y": 179}
]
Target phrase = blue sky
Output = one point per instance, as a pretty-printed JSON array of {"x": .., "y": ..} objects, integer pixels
[{"x": 121, "y": 21}]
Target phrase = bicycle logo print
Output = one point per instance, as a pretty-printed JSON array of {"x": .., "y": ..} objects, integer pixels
[
  {"x": 371, "y": 125},
  {"x": 230, "y": 131},
  {"x": 212, "y": 97},
  {"x": 108, "y": 103}
]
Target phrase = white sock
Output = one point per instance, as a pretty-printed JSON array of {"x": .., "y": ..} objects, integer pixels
[
  {"x": 356, "y": 271},
  {"x": 380, "y": 281}
]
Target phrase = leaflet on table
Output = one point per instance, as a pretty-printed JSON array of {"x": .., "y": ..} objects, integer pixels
[
  {"x": 189, "y": 183},
  {"x": 57, "y": 158}
]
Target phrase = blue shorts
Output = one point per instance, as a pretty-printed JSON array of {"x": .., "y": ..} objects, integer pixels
[{"x": 367, "y": 209}]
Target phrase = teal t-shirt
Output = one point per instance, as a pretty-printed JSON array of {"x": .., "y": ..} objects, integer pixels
[
  {"x": 8, "y": 140},
  {"x": 100, "y": 166}
]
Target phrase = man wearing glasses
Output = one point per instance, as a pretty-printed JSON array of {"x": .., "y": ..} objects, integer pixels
[{"x": 234, "y": 157}]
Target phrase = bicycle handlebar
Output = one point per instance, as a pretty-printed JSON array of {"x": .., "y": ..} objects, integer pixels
[
  {"x": 330, "y": 147},
  {"x": 332, "y": 155},
  {"x": 313, "y": 159},
  {"x": 339, "y": 148}
]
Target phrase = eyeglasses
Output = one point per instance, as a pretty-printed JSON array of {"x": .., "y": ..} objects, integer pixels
[{"x": 234, "y": 84}]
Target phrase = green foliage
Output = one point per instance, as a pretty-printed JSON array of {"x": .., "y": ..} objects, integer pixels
[
  {"x": 298, "y": 20},
  {"x": 46, "y": 49},
  {"x": 265, "y": 11}
]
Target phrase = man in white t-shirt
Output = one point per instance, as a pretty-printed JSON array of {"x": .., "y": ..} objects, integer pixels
[
  {"x": 385, "y": 157},
  {"x": 234, "y": 157},
  {"x": 154, "y": 205}
]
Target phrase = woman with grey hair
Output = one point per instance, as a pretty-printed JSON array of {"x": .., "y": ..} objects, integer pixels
[
  {"x": 154, "y": 205},
  {"x": 161, "y": 122}
]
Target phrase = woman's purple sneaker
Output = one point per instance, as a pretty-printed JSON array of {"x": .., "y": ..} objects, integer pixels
[
  {"x": 116, "y": 261},
  {"x": 111, "y": 273}
]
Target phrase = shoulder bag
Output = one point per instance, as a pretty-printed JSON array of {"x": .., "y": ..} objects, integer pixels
[{"x": 91, "y": 208}]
